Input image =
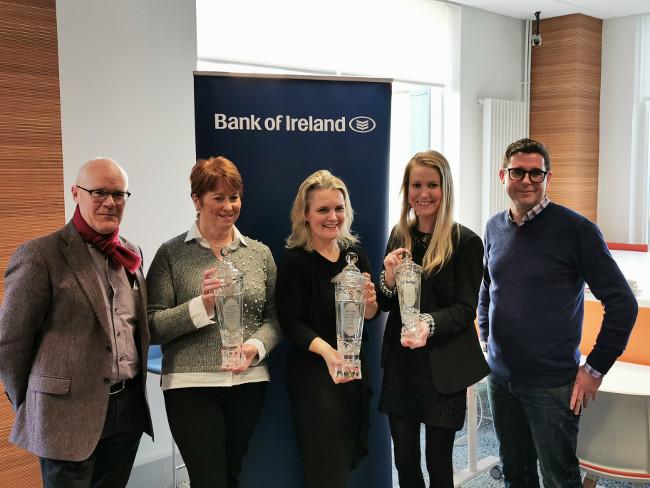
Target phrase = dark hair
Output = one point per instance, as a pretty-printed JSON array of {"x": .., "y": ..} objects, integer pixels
[
  {"x": 527, "y": 146},
  {"x": 208, "y": 174}
]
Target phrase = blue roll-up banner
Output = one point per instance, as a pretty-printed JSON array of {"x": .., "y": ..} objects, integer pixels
[{"x": 278, "y": 130}]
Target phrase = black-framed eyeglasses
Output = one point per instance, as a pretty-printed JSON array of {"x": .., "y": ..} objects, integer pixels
[
  {"x": 518, "y": 174},
  {"x": 100, "y": 196}
]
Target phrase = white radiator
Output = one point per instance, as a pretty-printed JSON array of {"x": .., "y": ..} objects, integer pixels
[{"x": 504, "y": 122}]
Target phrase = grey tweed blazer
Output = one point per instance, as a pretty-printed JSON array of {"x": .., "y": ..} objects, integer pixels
[{"x": 54, "y": 333}]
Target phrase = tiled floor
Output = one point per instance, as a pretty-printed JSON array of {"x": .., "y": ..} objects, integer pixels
[{"x": 487, "y": 447}]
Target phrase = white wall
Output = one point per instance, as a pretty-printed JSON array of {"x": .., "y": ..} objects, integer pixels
[
  {"x": 126, "y": 92},
  {"x": 491, "y": 66},
  {"x": 615, "y": 192},
  {"x": 125, "y": 70}
]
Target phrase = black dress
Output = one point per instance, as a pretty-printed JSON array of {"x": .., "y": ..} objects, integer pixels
[
  {"x": 331, "y": 421},
  {"x": 428, "y": 384}
]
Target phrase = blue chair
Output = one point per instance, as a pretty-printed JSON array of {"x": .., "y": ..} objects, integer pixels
[
  {"x": 154, "y": 362},
  {"x": 154, "y": 365}
]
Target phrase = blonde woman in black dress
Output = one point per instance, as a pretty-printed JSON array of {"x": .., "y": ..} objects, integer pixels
[
  {"x": 330, "y": 415},
  {"x": 426, "y": 382}
]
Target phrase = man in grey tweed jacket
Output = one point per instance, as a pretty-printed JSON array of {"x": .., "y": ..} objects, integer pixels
[{"x": 74, "y": 340}]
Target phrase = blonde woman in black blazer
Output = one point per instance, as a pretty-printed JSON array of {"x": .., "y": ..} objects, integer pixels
[{"x": 426, "y": 382}]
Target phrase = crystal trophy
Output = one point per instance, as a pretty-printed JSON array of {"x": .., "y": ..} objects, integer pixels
[
  {"x": 408, "y": 278},
  {"x": 229, "y": 308},
  {"x": 350, "y": 302}
]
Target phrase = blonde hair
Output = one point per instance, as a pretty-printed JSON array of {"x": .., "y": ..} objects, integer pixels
[
  {"x": 300, "y": 232},
  {"x": 441, "y": 245}
]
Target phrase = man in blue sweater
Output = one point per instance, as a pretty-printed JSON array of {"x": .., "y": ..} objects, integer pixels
[{"x": 538, "y": 256}]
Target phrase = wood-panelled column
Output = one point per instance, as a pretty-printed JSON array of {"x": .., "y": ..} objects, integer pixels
[
  {"x": 31, "y": 165},
  {"x": 565, "y": 107}
]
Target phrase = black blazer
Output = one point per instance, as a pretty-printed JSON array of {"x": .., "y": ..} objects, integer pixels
[{"x": 450, "y": 296}]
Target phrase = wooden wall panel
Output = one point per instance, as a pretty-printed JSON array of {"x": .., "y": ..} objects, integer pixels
[
  {"x": 31, "y": 165},
  {"x": 565, "y": 107}
]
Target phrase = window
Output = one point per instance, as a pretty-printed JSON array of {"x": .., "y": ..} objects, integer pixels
[
  {"x": 404, "y": 40},
  {"x": 400, "y": 39},
  {"x": 641, "y": 131},
  {"x": 416, "y": 125}
]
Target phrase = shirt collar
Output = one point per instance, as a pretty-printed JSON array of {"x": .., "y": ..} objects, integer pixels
[
  {"x": 536, "y": 210},
  {"x": 195, "y": 233}
]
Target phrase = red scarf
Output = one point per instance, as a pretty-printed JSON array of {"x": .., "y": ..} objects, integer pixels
[{"x": 109, "y": 244}]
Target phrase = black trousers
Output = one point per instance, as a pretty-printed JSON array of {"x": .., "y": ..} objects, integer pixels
[
  {"x": 110, "y": 464},
  {"x": 438, "y": 452},
  {"x": 212, "y": 427}
]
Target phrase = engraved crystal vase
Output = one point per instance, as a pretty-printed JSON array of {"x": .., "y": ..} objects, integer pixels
[
  {"x": 408, "y": 277},
  {"x": 229, "y": 310},
  {"x": 350, "y": 307}
]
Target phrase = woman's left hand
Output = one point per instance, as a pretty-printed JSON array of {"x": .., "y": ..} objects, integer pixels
[
  {"x": 370, "y": 295},
  {"x": 421, "y": 336},
  {"x": 250, "y": 351}
]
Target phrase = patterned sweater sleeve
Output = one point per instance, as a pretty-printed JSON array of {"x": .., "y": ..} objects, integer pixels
[
  {"x": 269, "y": 331},
  {"x": 168, "y": 319}
]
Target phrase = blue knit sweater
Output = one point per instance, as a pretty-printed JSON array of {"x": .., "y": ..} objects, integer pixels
[{"x": 531, "y": 303}]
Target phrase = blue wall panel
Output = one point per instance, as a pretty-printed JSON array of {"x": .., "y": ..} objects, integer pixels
[{"x": 279, "y": 130}]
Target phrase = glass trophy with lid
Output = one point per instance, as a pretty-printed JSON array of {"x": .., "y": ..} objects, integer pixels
[
  {"x": 229, "y": 309},
  {"x": 350, "y": 302},
  {"x": 408, "y": 277}
]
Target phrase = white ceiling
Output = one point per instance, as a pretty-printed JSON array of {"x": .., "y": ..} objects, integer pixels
[{"x": 525, "y": 9}]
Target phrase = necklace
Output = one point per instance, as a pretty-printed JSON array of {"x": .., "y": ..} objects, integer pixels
[
  {"x": 422, "y": 238},
  {"x": 215, "y": 246}
]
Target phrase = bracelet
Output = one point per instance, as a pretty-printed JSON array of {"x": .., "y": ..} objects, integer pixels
[
  {"x": 383, "y": 288},
  {"x": 425, "y": 317}
]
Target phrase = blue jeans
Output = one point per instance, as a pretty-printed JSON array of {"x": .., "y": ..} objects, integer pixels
[{"x": 535, "y": 423}]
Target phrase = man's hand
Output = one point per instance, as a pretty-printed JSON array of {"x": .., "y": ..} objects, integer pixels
[{"x": 585, "y": 388}]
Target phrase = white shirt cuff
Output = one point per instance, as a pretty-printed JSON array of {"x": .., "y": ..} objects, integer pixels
[
  {"x": 200, "y": 317},
  {"x": 261, "y": 350}
]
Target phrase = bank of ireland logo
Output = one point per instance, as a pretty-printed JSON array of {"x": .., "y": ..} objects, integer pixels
[{"x": 362, "y": 124}]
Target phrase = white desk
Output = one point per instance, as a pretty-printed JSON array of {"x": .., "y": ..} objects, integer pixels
[
  {"x": 614, "y": 439},
  {"x": 635, "y": 266},
  {"x": 626, "y": 379}
]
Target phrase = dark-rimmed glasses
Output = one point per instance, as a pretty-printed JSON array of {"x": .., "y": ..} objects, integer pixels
[
  {"x": 518, "y": 174},
  {"x": 100, "y": 196}
]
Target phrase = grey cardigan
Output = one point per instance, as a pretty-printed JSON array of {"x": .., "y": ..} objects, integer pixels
[{"x": 175, "y": 278}]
